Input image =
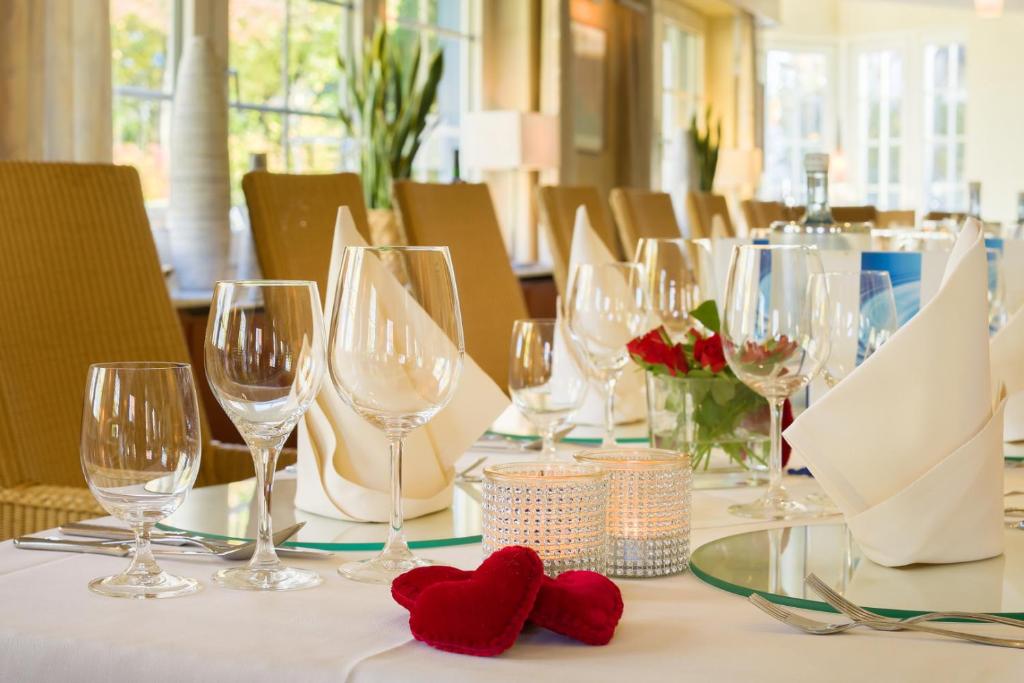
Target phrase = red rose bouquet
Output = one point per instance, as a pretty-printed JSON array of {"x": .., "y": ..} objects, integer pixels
[{"x": 712, "y": 406}]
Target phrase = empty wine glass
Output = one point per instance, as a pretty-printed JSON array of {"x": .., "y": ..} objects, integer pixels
[
  {"x": 543, "y": 380},
  {"x": 265, "y": 361},
  {"x": 672, "y": 284},
  {"x": 997, "y": 312},
  {"x": 140, "y": 452},
  {"x": 396, "y": 352},
  {"x": 862, "y": 317},
  {"x": 606, "y": 308},
  {"x": 775, "y": 332}
]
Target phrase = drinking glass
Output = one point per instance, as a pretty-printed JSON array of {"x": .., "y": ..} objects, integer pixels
[
  {"x": 775, "y": 332},
  {"x": 395, "y": 353},
  {"x": 671, "y": 282},
  {"x": 140, "y": 453},
  {"x": 265, "y": 360},
  {"x": 997, "y": 312},
  {"x": 862, "y": 317},
  {"x": 606, "y": 308},
  {"x": 544, "y": 382}
]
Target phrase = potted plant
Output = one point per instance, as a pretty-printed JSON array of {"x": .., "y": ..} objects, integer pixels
[
  {"x": 705, "y": 151},
  {"x": 697, "y": 405},
  {"x": 391, "y": 94}
]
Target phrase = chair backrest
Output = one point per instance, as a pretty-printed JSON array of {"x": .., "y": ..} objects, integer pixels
[
  {"x": 293, "y": 218},
  {"x": 944, "y": 215},
  {"x": 854, "y": 214},
  {"x": 760, "y": 214},
  {"x": 896, "y": 218},
  {"x": 80, "y": 283},
  {"x": 642, "y": 213},
  {"x": 558, "y": 204},
  {"x": 462, "y": 218},
  {"x": 702, "y": 208}
]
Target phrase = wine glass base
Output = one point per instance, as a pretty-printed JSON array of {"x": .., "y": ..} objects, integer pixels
[
  {"x": 279, "y": 578},
  {"x": 779, "y": 507},
  {"x": 380, "y": 569},
  {"x": 144, "y": 587}
]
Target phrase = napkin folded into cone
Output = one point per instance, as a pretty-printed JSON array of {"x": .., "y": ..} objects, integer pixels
[
  {"x": 1007, "y": 351},
  {"x": 909, "y": 445},
  {"x": 343, "y": 464},
  {"x": 630, "y": 391}
]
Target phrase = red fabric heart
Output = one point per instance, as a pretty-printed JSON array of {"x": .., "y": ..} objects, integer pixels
[
  {"x": 582, "y": 605},
  {"x": 481, "y": 615}
]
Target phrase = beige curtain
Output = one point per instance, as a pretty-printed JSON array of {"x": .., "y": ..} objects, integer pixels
[
  {"x": 630, "y": 57},
  {"x": 55, "y": 80}
]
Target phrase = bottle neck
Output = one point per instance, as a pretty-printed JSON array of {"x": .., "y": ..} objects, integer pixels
[
  {"x": 818, "y": 211},
  {"x": 974, "y": 203}
]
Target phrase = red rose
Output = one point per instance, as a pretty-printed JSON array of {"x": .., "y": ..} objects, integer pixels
[
  {"x": 708, "y": 352},
  {"x": 654, "y": 348}
]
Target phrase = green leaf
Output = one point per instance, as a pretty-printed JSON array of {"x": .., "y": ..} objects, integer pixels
[
  {"x": 707, "y": 315},
  {"x": 723, "y": 392}
]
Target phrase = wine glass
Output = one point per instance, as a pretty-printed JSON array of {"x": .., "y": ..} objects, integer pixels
[
  {"x": 140, "y": 452},
  {"x": 265, "y": 361},
  {"x": 395, "y": 353},
  {"x": 862, "y": 317},
  {"x": 672, "y": 285},
  {"x": 606, "y": 308},
  {"x": 775, "y": 333},
  {"x": 997, "y": 312},
  {"x": 544, "y": 382}
]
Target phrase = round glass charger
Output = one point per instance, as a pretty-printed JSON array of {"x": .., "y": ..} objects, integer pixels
[
  {"x": 228, "y": 512},
  {"x": 774, "y": 562},
  {"x": 1013, "y": 451},
  {"x": 512, "y": 425}
]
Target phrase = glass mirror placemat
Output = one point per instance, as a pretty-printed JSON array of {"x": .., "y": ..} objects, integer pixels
[
  {"x": 228, "y": 511},
  {"x": 1013, "y": 451},
  {"x": 512, "y": 425},
  {"x": 774, "y": 562}
]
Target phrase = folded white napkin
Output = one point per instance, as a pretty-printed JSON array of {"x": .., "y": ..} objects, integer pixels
[
  {"x": 630, "y": 396},
  {"x": 1007, "y": 351},
  {"x": 343, "y": 465},
  {"x": 909, "y": 445}
]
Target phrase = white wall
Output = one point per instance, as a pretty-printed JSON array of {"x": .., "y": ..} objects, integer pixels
[{"x": 995, "y": 75}]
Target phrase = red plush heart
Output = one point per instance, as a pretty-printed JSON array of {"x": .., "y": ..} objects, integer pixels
[
  {"x": 581, "y": 605},
  {"x": 481, "y": 615}
]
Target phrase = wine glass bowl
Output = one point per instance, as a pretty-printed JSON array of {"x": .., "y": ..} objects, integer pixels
[
  {"x": 775, "y": 332},
  {"x": 671, "y": 281},
  {"x": 396, "y": 352},
  {"x": 140, "y": 453},
  {"x": 265, "y": 360},
  {"x": 862, "y": 316}
]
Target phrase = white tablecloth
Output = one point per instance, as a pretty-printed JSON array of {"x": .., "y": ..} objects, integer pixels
[{"x": 52, "y": 628}]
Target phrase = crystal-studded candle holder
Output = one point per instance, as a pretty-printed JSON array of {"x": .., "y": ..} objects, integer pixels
[
  {"x": 557, "y": 508},
  {"x": 648, "y": 509}
]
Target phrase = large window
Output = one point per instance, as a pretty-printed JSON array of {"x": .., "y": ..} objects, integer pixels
[
  {"x": 945, "y": 104},
  {"x": 797, "y": 112},
  {"x": 679, "y": 94},
  {"x": 879, "y": 127}
]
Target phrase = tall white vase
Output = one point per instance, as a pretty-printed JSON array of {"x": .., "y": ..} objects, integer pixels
[{"x": 200, "y": 198}]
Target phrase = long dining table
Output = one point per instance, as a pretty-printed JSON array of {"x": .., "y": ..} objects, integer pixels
[{"x": 677, "y": 628}]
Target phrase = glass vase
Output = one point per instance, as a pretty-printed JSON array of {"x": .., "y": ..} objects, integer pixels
[{"x": 717, "y": 421}]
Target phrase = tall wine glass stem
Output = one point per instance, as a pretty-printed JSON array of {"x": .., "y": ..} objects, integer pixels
[
  {"x": 609, "y": 411},
  {"x": 775, "y": 489},
  {"x": 396, "y": 547},
  {"x": 265, "y": 459},
  {"x": 143, "y": 563},
  {"x": 548, "y": 441}
]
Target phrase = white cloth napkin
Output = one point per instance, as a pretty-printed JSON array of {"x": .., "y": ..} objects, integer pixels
[
  {"x": 630, "y": 396},
  {"x": 1007, "y": 351},
  {"x": 909, "y": 445},
  {"x": 343, "y": 464}
]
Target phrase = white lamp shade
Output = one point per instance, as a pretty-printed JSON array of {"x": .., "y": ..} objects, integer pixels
[
  {"x": 509, "y": 140},
  {"x": 988, "y": 9},
  {"x": 738, "y": 167}
]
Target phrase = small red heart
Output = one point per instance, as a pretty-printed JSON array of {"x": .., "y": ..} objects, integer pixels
[
  {"x": 582, "y": 605},
  {"x": 408, "y": 586},
  {"x": 483, "y": 614}
]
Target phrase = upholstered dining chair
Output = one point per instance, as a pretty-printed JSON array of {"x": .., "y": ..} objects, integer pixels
[
  {"x": 80, "y": 283},
  {"x": 760, "y": 214},
  {"x": 293, "y": 218},
  {"x": 642, "y": 213},
  {"x": 854, "y": 214},
  {"x": 462, "y": 218},
  {"x": 896, "y": 218},
  {"x": 558, "y": 204},
  {"x": 703, "y": 210}
]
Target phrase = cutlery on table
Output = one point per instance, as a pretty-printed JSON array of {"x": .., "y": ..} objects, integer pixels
[
  {"x": 504, "y": 443},
  {"x": 841, "y": 604},
  {"x": 821, "y": 628},
  {"x": 463, "y": 474}
]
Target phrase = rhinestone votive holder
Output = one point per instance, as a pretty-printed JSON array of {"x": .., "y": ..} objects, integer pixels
[
  {"x": 557, "y": 508},
  {"x": 649, "y": 494}
]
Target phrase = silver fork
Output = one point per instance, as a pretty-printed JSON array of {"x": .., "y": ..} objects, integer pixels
[
  {"x": 821, "y": 628},
  {"x": 854, "y": 611}
]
